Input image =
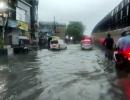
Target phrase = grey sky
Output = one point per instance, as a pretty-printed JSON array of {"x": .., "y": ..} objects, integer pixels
[{"x": 89, "y": 12}]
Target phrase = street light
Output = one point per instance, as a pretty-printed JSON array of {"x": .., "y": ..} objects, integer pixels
[
  {"x": 3, "y": 6},
  {"x": 67, "y": 37},
  {"x": 71, "y": 38}
]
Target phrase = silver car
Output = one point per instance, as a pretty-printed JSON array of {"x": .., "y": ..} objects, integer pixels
[{"x": 58, "y": 44}]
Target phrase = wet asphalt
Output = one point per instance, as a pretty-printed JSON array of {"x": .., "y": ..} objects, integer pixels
[{"x": 71, "y": 74}]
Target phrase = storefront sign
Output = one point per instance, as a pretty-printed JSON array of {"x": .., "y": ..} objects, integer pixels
[
  {"x": 23, "y": 26},
  {"x": 23, "y": 11},
  {"x": 12, "y": 23},
  {"x": 20, "y": 14}
]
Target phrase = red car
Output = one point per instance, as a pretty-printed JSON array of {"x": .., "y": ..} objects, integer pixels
[{"x": 86, "y": 43}]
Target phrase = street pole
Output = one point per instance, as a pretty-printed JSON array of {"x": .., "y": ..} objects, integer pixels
[
  {"x": 3, "y": 30},
  {"x": 54, "y": 26}
]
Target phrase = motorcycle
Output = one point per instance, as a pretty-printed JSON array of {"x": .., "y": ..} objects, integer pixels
[{"x": 122, "y": 60}]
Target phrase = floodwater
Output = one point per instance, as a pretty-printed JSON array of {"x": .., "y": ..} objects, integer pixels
[{"x": 70, "y": 74}]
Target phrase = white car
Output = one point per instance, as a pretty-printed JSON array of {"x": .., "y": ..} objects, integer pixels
[
  {"x": 62, "y": 44},
  {"x": 57, "y": 45},
  {"x": 54, "y": 45}
]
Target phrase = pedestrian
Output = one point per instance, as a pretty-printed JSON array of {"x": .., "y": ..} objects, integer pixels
[
  {"x": 123, "y": 46},
  {"x": 49, "y": 40},
  {"x": 108, "y": 43},
  {"x": 123, "y": 41}
]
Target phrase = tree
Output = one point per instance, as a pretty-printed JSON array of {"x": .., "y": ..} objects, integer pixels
[{"x": 75, "y": 29}]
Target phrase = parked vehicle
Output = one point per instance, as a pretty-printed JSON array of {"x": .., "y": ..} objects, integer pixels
[
  {"x": 21, "y": 45},
  {"x": 86, "y": 43},
  {"x": 58, "y": 44}
]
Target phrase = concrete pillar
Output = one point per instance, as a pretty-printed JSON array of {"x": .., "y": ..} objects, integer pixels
[{"x": 10, "y": 50}]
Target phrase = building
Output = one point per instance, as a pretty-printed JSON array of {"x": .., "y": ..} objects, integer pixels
[
  {"x": 60, "y": 30},
  {"x": 51, "y": 28},
  {"x": 21, "y": 20},
  {"x": 46, "y": 28}
]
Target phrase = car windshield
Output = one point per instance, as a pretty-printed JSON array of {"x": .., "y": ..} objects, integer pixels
[
  {"x": 64, "y": 50},
  {"x": 54, "y": 42}
]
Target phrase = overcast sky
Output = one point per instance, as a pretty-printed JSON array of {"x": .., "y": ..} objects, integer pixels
[{"x": 89, "y": 12}]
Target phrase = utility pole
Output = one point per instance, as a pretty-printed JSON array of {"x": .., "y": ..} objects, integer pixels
[{"x": 54, "y": 26}]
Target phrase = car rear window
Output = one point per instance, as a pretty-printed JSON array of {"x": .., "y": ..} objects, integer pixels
[{"x": 54, "y": 42}]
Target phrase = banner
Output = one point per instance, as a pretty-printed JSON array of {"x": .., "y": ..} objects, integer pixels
[
  {"x": 12, "y": 23},
  {"x": 20, "y": 14},
  {"x": 23, "y": 26}
]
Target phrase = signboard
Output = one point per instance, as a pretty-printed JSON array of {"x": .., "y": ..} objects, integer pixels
[
  {"x": 12, "y": 23},
  {"x": 20, "y": 14},
  {"x": 23, "y": 26},
  {"x": 23, "y": 11}
]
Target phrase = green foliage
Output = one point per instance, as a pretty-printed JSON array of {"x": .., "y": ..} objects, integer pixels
[{"x": 75, "y": 29}]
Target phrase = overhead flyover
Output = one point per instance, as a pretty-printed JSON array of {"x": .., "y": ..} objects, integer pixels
[
  {"x": 115, "y": 22},
  {"x": 118, "y": 18}
]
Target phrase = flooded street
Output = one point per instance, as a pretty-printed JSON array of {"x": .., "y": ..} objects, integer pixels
[{"x": 71, "y": 74}]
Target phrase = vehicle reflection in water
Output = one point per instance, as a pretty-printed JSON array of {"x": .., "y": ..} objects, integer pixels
[{"x": 19, "y": 77}]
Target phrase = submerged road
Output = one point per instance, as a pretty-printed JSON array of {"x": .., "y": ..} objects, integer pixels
[{"x": 70, "y": 74}]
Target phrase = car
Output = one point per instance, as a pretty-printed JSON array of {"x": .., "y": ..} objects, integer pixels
[
  {"x": 62, "y": 44},
  {"x": 54, "y": 45},
  {"x": 86, "y": 44},
  {"x": 57, "y": 44}
]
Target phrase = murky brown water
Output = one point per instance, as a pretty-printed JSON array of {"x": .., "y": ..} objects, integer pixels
[{"x": 72, "y": 74}]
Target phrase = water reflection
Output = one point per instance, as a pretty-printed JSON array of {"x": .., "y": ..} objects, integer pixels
[
  {"x": 66, "y": 75},
  {"x": 123, "y": 82},
  {"x": 20, "y": 81},
  {"x": 120, "y": 83}
]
